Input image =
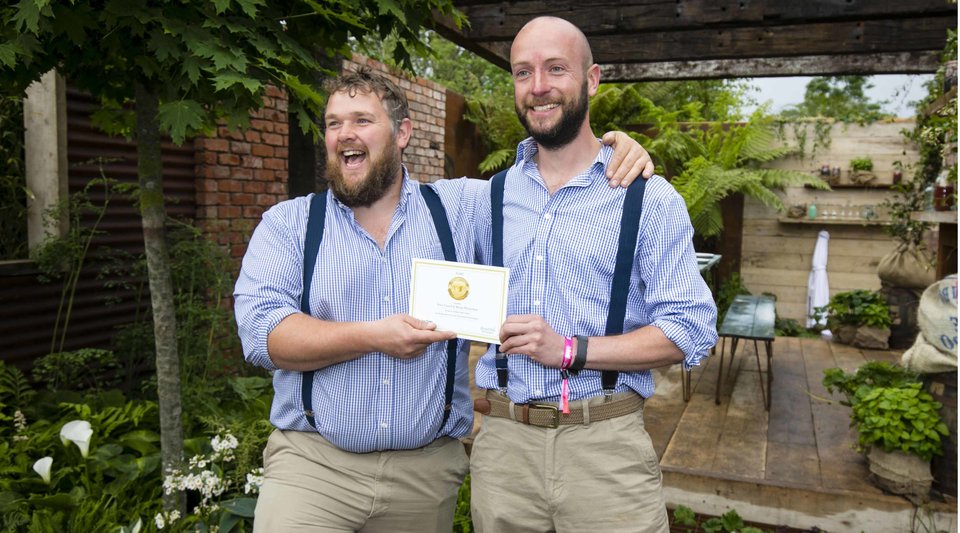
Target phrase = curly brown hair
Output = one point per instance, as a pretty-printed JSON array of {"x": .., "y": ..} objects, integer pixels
[{"x": 366, "y": 80}]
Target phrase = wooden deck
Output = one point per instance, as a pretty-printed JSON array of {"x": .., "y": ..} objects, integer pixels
[{"x": 794, "y": 466}]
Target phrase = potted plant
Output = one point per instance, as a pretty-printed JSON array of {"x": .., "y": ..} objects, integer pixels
[
  {"x": 861, "y": 170},
  {"x": 860, "y": 318},
  {"x": 898, "y": 424}
]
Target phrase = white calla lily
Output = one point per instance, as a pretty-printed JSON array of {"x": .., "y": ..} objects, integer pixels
[
  {"x": 137, "y": 526},
  {"x": 42, "y": 467},
  {"x": 79, "y": 433}
]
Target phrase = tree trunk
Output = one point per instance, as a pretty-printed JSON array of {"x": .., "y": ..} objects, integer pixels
[{"x": 153, "y": 213}]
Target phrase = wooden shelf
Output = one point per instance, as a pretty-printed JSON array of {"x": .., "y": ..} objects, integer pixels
[
  {"x": 937, "y": 217},
  {"x": 823, "y": 221}
]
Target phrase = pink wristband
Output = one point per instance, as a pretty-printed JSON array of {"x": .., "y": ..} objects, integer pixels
[{"x": 567, "y": 353}]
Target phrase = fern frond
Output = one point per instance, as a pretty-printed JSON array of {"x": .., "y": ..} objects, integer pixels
[{"x": 497, "y": 160}]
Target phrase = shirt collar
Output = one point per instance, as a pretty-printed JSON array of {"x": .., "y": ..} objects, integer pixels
[{"x": 528, "y": 148}]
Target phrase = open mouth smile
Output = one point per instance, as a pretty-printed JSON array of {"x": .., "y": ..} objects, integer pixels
[{"x": 352, "y": 158}]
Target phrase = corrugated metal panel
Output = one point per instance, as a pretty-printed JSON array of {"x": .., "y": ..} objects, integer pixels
[{"x": 28, "y": 308}]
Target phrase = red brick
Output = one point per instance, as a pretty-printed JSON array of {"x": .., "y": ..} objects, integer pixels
[
  {"x": 262, "y": 150},
  {"x": 207, "y": 185},
  {"x": 281, "y": 152},
  {"x": 252, "y": 136},
  {"x": 273, "y": 90},
  {"x": 262, "y": 125},
  {"x": 221, "y": 172},
  {"x": 206, "y": 172},
  {"x": 241, "y": 173},
  {"x": 238, "y": 147},
  {"x": 264, "y": 175},
  {"x": 229, "y": 159},
  {"x": 265, "y": 199},
  {"x": 228, "y": 212},
  {"x": 237, "y": 250},
  {"x": 283, "y": 127},
  {"x": 272, "y": 138},
  {"x": 206, "y": 157},
  {"x": 282, "y": 176},
  {"x": 250, "y": 161},
  {"x": 254, "y": 187},
  {"x": 277, "y": 188},
  {"x": 225, "y": 133},
  {"x": 274, "y": 163},
  {"x": 231, "y": 186},
  {"x": 256, "y": 211},
  {"x": 282, "y": 105},
  {"x": 216, "y": 145},
  {"x": 242, "y": 199},
  {"x": 206, "y": 212}
]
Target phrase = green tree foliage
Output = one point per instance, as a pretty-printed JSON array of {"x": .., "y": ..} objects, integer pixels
[
  {"x": 13, "y": 184},
  {"x": 843, "y": 98},
  {"x": 189, "y": 64}
]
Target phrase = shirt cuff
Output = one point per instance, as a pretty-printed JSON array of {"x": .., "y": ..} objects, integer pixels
[
  {"x": 273, "y": 318},
  {"x": 679, "y": 336}
]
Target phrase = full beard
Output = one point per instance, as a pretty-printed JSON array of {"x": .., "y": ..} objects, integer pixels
[
  {"x": 566, "y": 129},
  {"x": 384, "y": 172}
]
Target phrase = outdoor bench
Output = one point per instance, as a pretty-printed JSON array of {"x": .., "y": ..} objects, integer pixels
[{"x": 750, "y": 318}]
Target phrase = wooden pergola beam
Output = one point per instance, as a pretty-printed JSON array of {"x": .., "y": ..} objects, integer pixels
[
  {"x": 888, "y": 63},
  {"x": 688, "y": 39}
]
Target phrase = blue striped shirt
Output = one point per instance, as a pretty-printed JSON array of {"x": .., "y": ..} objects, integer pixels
[
  {"x": 375, "y": 402},
  {"x": 561, "y": 252}
]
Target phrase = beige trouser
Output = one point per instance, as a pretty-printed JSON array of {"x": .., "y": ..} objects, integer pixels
[
  {"x": 599, "y": 477},
  {"x": 311, "y": 485}
]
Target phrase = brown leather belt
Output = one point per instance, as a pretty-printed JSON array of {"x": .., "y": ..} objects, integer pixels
[{"x": 549, "y": 415}]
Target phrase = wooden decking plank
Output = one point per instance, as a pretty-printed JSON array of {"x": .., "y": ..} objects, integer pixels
[
  {"x": 791, "y": 420},
  {"x": 792, "y": 464},
  {"x": 741, "y": 450},
  {"x": 848, "y": 358},
  {"x": 694, "y": 442},
  {"x": 662, "y": 412}
]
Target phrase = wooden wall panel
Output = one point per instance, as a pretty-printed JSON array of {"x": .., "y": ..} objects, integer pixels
[{"x": 777, "y": 254}]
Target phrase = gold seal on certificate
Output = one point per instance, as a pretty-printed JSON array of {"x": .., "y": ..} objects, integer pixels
[{"x": 468, "y": 299}]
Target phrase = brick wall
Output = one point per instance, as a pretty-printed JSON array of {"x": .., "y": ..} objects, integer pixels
[{"x": 242, "y": 174}]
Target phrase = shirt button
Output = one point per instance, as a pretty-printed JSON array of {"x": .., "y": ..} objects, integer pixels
[
  {"x": 384, "y": 425},
  {"x": 538, "y": 393},
  {"x": 539, "y": 258},
  {"x": 386, "y": 298},
  {"x": 536, "y": 303},
  {"x": 385, "y": 382},
  {"x": 546, "y": 216}
]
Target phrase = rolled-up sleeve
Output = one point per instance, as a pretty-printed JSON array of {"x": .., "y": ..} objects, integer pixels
[
  {"x": 271, "y": 278},
  {"x": 678, "y": 300}
]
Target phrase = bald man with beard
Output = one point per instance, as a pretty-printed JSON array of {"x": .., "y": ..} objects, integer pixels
[{"x": 563, "y": 446}]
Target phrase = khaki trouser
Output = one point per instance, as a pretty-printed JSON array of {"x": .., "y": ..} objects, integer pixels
[
  {"x": 604, "y": 476},
  {"x": 311, "y": 485}
]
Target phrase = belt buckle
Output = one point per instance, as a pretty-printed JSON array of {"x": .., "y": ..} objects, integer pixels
[{"x": 555, "y": 423}]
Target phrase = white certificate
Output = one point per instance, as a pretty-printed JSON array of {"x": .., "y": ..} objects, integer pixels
[{"x": 468, "y": 299}]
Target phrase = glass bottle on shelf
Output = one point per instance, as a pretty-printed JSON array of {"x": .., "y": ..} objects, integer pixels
[{"x": 943, "y": 193}]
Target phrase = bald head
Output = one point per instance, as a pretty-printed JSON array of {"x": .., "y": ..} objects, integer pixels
[{"x": 557, "y": 30}]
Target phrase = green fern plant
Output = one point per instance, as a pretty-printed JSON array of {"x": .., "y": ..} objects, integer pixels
[{"x": 731, "y": 164}]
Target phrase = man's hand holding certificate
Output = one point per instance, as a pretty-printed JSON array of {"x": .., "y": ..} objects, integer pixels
[{"x": 468, "y": 299}]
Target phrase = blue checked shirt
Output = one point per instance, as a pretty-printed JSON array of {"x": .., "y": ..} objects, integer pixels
[
  {"x": 375, "y": 402},
  {"x": 561, "y": 252}
]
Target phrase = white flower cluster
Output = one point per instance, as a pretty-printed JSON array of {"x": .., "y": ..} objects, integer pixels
[
  {"x": 19, "y": 424},
  {"x": 162, "y": 519},
  {"x": 206, "y": 482},
  {"x": 254, "y": 481},
  {"x": 223, "y": 447}
]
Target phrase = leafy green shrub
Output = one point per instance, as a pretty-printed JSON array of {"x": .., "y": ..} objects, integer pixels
[
  {"x": 857, "y": 308},
  {"x": 80, "y": 370},
  {"x": 861, "y": 164},
  {"x": 890, "y": 409}
]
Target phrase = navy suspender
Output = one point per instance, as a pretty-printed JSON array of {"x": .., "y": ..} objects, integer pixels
[
  {"x": 311, "y": 248},
  {"x": 496, "y": 224},
  {"x": 619, "y": 288},
  {"x": 450, "y": 254}
]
